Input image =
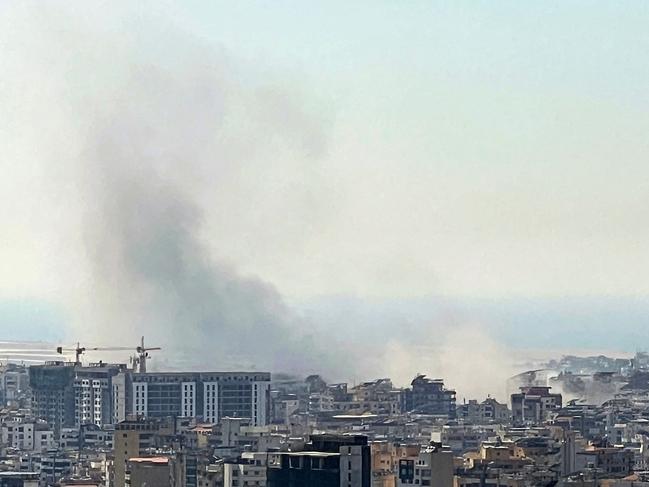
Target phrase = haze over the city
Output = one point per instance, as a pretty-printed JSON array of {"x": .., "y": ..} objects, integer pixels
[{"x": 328, "y": 178}]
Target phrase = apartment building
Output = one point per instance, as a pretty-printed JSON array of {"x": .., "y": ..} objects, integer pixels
[{"x": 208, "y": 395}]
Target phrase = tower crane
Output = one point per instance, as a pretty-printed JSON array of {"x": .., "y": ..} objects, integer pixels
[
  {"x": 139, "y": 359},
  {"x": 142, "y": 354},
  {"x": 79, "y": 350}
]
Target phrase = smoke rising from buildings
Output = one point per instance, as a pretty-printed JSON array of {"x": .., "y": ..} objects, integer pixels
[
  {"x": 174, "y": 126},
  {"x": 468, "y": 359},
  {"x": 147, "y": 145},
  {"x": 145, "y": 164}
]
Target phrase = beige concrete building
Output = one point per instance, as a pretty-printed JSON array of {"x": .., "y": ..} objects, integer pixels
[
  {"x": 433, "y": 466},
  {"x": 131, "y": 440},
  {"x": 149, "y": 471}
]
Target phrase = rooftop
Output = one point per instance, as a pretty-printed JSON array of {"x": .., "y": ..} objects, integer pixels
[{"x": 156, "y": 460}]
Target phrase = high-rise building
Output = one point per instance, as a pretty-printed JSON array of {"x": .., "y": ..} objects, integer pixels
[
  {"x": 93, "y": 393},
  {"x": 68, "y": 395},
  {"x": 209, "y": 395},
  {"x": 53, "y": 398},
  {"x": 122, "y": 386}
]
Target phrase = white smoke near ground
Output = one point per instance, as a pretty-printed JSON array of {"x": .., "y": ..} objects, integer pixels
[
  {"x": 432, "y": 336},
  {"x": 470, "y": 361}
]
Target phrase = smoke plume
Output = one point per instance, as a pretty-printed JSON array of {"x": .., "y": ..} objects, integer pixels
[
  {"x": 159, "y": 126},
  {"x": 149, "y": 264},
  {"x": 139, "y": 151}
]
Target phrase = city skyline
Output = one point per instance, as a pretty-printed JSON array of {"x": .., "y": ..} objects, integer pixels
[{"x": 377, "y": 243}]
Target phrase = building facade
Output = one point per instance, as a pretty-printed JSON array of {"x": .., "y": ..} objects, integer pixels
[
  {"x": 93, "y": 393},
  {"x": 131, "y": 439},
  {"x": 532, "y": 404},
  {"x": 429, "y": 396},
  {"x": 53, "y": 398},
  {"x": 487, "y": 411},
  {"x": 248, "y": 470},
  {"x": 433, "y": 466},
  {"x": 326, "y": 461},
  {"x": 208, "y": 395}
]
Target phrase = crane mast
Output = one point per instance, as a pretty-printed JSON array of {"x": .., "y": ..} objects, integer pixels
[{"x": 142, "y": 355}]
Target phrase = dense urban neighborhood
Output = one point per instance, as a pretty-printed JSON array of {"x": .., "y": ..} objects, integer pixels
[
  {"x": 581, "y": 421},
  {"x": 372, "y": 243}
]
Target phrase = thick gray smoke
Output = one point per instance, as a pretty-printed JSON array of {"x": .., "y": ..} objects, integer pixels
[
  {"x": 157, "y": 127},
  {"x": 149, "y": 264},
  {"x": 139, "y": 156},
  {"x": 145, "y": 164}
]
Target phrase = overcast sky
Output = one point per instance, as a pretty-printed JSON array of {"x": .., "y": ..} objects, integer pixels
[
  {"x": 472, "y": 150},
  {"x": 481, "y": 149}
]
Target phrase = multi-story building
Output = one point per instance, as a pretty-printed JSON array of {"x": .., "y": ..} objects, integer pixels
[
  {"x": 14, "y": 380},
  {"x": 27, "y": 435},
  {"x": 489, "y": 465},
  {"x": 613, "y": 461},
  {"x": 122, "y": 387},
  {"x": 249, "y": 470},
  {"x": 69, "y": 395},
  {"x": 234, "y": 435},
  {"x": 433, "y": 466},
  {"x": 385, "y": 460},
  {"x": 55, "y": 464},
  {"x": 487, "y": 411},
  {"x": 93, "y": 390},
  {"x": 283, "y": 406},
  {"x": 131, "y": 439},
  {"x": 208, "y": 395},
  {"x": 463, "y": 437},
  {"x": 532, "y": 404},
  {"x": 19, "y": 479},
  {"x": 492, "y": 410},
  {"x": 377, "y": 397},
  {"x": 86, "y": 436},
  {"x": 154, "y": 471},
  {"x": 429, "y": 396},
  {"x": 326, "y": 461},
  {"x": 53, "y": 398},
  {"x": 320, "y": 402}
]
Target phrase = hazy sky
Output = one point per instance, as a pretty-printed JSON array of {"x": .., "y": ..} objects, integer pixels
[{"x": 483, "y": 150}]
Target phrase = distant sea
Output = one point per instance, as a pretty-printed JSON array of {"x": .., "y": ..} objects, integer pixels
[{"x": 29, "y": 352}]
